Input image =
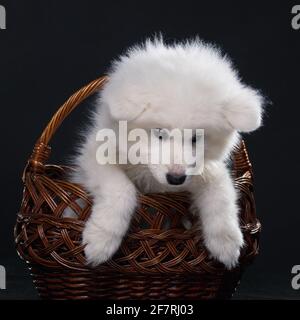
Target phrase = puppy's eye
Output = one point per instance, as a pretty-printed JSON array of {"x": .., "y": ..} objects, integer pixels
[
  {"x": 161, "y": 134},
  {"x": 194, "y": 139}
]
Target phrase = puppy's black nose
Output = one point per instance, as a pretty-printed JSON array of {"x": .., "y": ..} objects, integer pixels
[{"x": 175, "y": 179}]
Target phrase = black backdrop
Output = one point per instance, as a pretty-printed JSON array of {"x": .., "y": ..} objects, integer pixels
[{"x": 51, "y": 48}]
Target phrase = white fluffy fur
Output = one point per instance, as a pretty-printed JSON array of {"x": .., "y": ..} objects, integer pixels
[{"x": 188, "y": 85}]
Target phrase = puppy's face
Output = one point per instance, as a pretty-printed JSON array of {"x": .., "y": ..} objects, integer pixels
[
  {"x": 182, "y": 87},
  {"x": 175, "y": 161},
  {"x": 174, "y": 155}
]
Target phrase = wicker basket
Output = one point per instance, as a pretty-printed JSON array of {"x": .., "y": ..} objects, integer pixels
[{"x": 158, "y": 259}]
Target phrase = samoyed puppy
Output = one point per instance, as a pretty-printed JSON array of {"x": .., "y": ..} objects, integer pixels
[{"x": 159, "y": 87}]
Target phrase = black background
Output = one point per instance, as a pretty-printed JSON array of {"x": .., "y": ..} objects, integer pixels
[{"x": 51, "y": 48}]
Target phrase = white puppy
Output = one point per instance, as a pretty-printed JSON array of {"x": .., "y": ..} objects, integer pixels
[{"x": 188, "y": 85}]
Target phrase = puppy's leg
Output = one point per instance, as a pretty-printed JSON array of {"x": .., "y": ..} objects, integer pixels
[
  {"x": 114, "y": 201},
  {"x": 216, "y": 202}
]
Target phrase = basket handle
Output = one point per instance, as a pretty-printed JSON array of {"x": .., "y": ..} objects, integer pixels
[{"x": 41, "y": 151}]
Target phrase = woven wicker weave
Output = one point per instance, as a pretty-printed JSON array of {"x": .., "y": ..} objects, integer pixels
[{"x": 158, "y": 259}]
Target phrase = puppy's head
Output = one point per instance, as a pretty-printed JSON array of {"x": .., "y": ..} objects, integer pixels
[{"x": 186, "y": 86}]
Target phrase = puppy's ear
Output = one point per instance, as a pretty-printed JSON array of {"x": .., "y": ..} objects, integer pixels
[
  {"x": 122, "y": 101},
  {"x": 244, "y": 110},
  {"x": 125, "y": 111}
]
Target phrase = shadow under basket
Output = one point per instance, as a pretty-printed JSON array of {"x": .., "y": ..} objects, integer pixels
[{"x": 162, "y": 255}]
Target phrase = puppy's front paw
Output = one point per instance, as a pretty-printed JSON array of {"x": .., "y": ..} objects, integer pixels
[
  {"x": 225, "y": 246},
  {"x": 100, "y": 245}
]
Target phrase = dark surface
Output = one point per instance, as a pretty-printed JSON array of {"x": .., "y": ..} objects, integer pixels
[{"x": 51, "y": 48}]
